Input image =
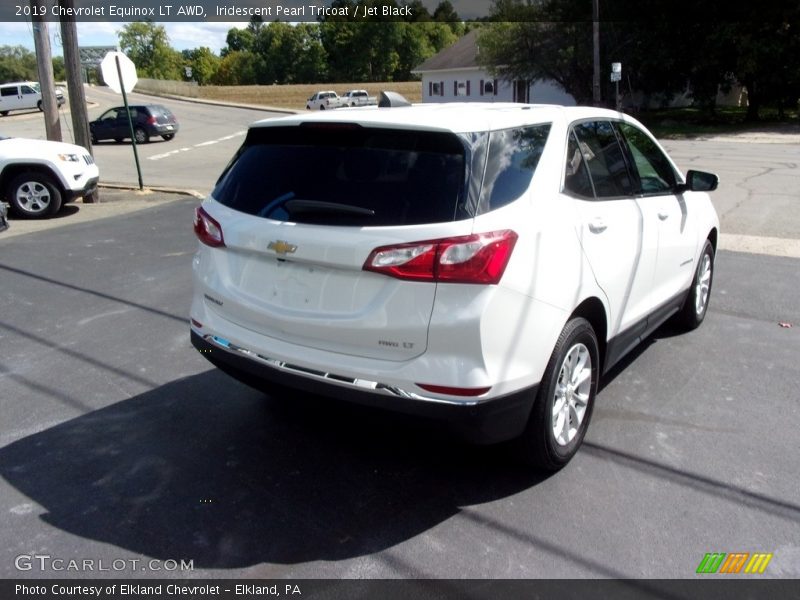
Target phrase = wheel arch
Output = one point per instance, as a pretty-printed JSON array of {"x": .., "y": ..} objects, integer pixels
[
  {"x": 14, "y": 169},
  {"x": 712, "y": 237},
  {"x": 593, "y": 310}
]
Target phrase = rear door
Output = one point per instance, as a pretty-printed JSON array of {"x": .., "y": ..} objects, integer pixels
[{"x": 302, "y": 208}]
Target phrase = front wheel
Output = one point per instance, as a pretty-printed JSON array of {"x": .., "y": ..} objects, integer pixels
[
  {"x": 40, "y": 106},
  {"x": 168, "y": 136},
  {"x": 565, "y": 400},
  {"x": 33, "y": 195},
  {"x": 696, "y": 306}
]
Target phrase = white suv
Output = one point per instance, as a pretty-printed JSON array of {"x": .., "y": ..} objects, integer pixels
[
  {"x": 478, "y": 263},
  {"x": 38, "y": 176}
]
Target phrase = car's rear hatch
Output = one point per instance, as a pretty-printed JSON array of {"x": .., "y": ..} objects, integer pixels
[{"x": 302, "y": 207}]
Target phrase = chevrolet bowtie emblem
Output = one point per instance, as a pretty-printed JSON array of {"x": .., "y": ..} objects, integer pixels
[{"x": 281, "y": 247}]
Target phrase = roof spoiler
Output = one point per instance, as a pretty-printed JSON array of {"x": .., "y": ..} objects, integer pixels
[{"x": 392, "y": 99}]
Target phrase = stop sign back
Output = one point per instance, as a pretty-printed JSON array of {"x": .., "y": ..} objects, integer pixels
[{"x": 108, "y": 68}]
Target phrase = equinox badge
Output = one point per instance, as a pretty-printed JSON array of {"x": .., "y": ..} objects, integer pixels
[{"x": 281, "y": 247}]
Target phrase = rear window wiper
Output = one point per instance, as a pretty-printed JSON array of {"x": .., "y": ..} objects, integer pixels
[{"x": 319, "y": 206}]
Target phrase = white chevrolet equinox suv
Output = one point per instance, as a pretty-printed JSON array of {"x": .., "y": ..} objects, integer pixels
[{"x": 482, "y": 264}]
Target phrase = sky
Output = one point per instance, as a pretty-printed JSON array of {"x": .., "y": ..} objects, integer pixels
[{"x": 182, "y": 36}]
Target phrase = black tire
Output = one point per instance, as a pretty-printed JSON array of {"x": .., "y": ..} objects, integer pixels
[
  {"x": 168, "y": 136},
  {"x": 141, "y": 136},
  {"x": 696, "y": 306},
  {"x": 3, "y": 112},
  {"x": 33, "y": 195},
  {"x": 539, "y": 445},
  {"x": 40, "y": 106},
  {"x": 94, "y": 139},
  {"x": 322, "y": 107},
  {"x": 118, "y": 140}
]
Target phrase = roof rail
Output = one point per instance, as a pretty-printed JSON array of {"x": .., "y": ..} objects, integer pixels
[{"x": 392, "y": 99}]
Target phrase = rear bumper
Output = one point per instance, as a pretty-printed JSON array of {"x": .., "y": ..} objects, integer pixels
[{"x": 484, "y": 422}]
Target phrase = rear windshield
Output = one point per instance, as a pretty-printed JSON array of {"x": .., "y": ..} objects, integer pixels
[{"x": 342, "y": 174}]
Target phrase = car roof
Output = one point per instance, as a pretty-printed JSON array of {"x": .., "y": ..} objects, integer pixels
[{"x": 459, "y": 117}]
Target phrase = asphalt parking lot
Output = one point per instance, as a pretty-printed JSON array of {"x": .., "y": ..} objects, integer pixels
[{"x": 121, "y": 443}]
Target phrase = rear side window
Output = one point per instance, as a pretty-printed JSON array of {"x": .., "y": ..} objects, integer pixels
[
  {"x": 512, "y": 159},
  {"x": 604, "y": 159},
  {"x": 343, "y": 174},
  {"x": 9, "y": 90}
]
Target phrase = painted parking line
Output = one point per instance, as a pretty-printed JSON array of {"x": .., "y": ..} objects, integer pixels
[{"x": 198, "y": 145}]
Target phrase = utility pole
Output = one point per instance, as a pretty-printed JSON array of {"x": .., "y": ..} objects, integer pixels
[
  {"x": 596, "y": 54},
  {"x": 77, "y": 99},
  {"x": 44, "y": 61}
]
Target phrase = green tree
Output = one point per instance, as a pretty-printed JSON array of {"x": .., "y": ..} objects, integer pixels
[
  {"x": 147, "y": 45},
  {"x": 237, "y": 68},
  {"x": 17, "y": 63},
  {"x": 238, "y": 40},
  {"x": 204, "y": 64}
]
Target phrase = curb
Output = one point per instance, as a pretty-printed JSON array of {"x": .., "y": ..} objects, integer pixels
[{"x": 151, "y": 188}]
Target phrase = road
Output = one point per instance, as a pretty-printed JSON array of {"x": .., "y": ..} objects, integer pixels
[
  {"x": 119, "y": 442},
  {"x": 756, "y": 199},
  {"x": 208, "y": 138}
]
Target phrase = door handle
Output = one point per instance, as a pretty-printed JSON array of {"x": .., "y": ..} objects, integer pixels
[
  {"x": 663, "y": 216},
  {"x": 597, "y": 226}
]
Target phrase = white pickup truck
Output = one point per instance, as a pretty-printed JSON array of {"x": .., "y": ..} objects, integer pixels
[
  {"x": 324, "y": 100},
  {"x": 358, "y": 98}
]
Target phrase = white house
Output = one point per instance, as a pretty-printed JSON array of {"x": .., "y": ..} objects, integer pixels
[{"x": 453, "y": 75}]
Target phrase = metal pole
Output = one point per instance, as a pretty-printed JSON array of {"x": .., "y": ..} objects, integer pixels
[
  {"x": 596, "y": 98},
  {"x": 130, "y": 122},
  {"x": 44, "y": 61},
  {"x": 77, "y": 98}
]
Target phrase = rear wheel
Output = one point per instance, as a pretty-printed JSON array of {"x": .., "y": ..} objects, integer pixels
[
  {"x": 33, "y": 195},
  {"x": 3, "y": 112},
  {"x": 696, "y": 305},
  {"x": 141, "y": 136},
  {"x": 168, "y": 136},
  {"x": 565, "y": 400}
]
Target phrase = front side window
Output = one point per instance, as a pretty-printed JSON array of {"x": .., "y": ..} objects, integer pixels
[
  {"x": 604, "y": 158},
  {"x": 512, "y": 160},
  {"x": 656, "y": 175},
  {"x": 26, "y": 89}
]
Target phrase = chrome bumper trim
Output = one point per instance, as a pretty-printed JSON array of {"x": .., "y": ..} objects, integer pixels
[{"x": 341, "y": 380}]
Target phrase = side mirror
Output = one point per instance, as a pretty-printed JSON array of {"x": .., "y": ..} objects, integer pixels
[{"x": 698, "y": 181}]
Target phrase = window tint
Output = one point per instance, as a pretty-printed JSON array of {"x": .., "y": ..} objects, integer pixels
[
  {"x": 10, "y": 90},
  {"x": 26, "y": 89},
  {"x": 603, "y": 155},
  {"x": 655, "y": 172},
  {"x": 576, "y": 176},
  {"x": 346, "y": 175},
  {"x": 511, "y": 163}
]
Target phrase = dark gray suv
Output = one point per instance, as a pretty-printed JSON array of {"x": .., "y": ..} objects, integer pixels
[{"x": 149, "y": 120}]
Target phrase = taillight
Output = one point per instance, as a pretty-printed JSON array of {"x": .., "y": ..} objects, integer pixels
[
  {"x": 477, "y": 258},
  {"x": 207, "y": 229},
  {"x": 151, "y": 120}
]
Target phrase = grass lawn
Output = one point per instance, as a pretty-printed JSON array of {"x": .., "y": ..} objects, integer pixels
[
  {"x": 295, "y": 96},
  {"x": 690, "y": 122}
]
